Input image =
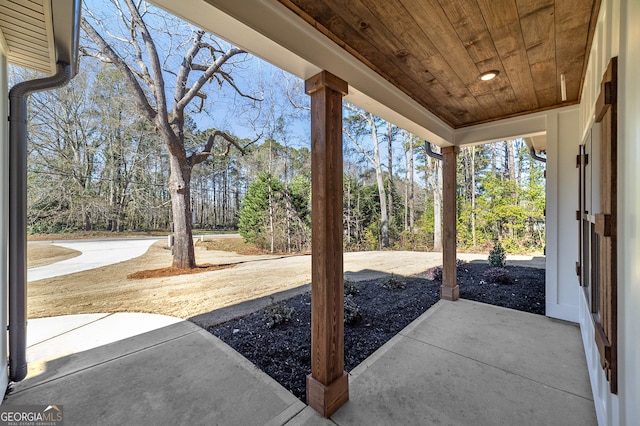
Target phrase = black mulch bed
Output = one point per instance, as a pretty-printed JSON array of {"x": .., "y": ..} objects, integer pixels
[{"x": 283, "y": 350}]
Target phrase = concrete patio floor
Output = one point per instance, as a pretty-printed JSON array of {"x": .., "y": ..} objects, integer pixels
[{"x": 460, "y": 363}]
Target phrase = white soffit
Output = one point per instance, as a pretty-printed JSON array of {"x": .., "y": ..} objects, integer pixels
[
  {"x": 530, "y": 127},
  {"x": 538, "y": 142},
  {"x": 27, "y": 29}
]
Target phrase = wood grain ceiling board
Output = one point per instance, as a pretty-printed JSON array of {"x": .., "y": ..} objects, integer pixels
[
  {"x": 575, "y": 22},
  {"x": 435, "y": 50},
  {"x": 467, "y": 20},
  {"x": 374, "y": 43},
  {"x": 439, "y": 62},
  {"x": 538, "y": 34}
]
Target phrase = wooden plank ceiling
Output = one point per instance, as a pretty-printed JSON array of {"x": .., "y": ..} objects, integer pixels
[{"x": 435, "y": 50}]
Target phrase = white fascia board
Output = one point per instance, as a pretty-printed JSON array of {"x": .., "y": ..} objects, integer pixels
[
  {"x": 269, "y": 30},
  {"x": 63, "y": 18},
  {"x": 523, "y": 126}
]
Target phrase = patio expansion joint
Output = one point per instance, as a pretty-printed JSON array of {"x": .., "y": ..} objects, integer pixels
[
  {"x": 499, "y": 368},
  {"x": 306, "y": 415},
  {"x": 71, "y": 329},
  {"x": 64, "y": 376},
  {"x": 288, "y": 415}
]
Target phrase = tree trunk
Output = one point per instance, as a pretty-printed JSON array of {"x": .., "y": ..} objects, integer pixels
[
  {"x": 215, "y": 197},
  {"x": 179, "y": 188},
  {"x": 473, "y": 195},
  {"x": 437, "y": 207},
  {"x": 390, "y": 175},
  {"x": 412, "y": 208},
  {"x": 384, "y": 215},
  {"x": 494, "y": 158},
  {"x": 86, "y": 221},
  {"x": 225, "y": 198},
  {"x": 348, "y": 213},
  {"x": 358, "y": 233},
  {"x": 406, "y": 194},
  {"x": 375, "y": 161},
  {"x": 271, "y": 226},
  {"x": 433, "y": 175},
  {"x": 511, "y": 163},
  {"x": 288, "y": 204}
]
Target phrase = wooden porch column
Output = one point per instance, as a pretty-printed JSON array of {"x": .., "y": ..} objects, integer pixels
[
  {"x": 328, "y": 383},
  {"x": 449, "y": 289}
]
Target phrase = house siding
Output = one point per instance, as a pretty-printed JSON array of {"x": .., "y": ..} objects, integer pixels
[
  {"x": 618, "y": 34},
  {"x": 562, "y": 128},
  {"x": 629, "y": 214},
  {"x": 604, "y": 47},
  {"x": 562, "y": 288}
]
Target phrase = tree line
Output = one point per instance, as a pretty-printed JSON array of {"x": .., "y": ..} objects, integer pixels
[
  {"x": 501, "y": 194},
  {"x": 93, "y": 165},
  {"x": 121, "y": 149}
]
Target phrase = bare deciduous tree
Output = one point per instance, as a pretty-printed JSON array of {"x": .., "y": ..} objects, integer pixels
[
  {"x": 433, "y": 178},
  {"x": 138, "y": 59},
  {"x": 361, "y": 120},
  {"x": 63, "y": 151},
  {"x": 409, "y": 204},
  {"x": 391, "y": 133}
]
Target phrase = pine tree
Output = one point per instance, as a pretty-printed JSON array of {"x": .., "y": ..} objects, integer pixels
[{"x": 254, "y": 215}]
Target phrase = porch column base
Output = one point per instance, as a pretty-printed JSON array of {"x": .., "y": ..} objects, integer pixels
[
  {"x": 450, "y": 293},
  {"x": 326, "y": 399}
]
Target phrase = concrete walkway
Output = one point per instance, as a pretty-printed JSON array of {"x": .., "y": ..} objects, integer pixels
[
  {"x": 95, "y": 254},
  {"x": 460, "y": 363},
  {"x": 163, "y": 371},
  {"x": 468, "y": 363}
]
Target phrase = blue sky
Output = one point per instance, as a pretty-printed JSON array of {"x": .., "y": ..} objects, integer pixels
[{"x": 224, "y": 108}]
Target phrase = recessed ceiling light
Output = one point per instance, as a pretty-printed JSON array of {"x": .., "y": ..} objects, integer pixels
[{"x": 489, "y": 75}]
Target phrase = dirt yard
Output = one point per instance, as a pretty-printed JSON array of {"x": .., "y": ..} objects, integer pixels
[
  {"x": 252, "y": 277},
  {"x": 46, "y": 254}
]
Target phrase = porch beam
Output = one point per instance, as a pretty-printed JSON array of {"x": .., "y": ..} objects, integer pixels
[
  {"x": 449, "y": 289},
  {"x": 328, "y": 383}
]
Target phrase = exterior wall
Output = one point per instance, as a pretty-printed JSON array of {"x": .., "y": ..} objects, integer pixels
[
  {"x": 604, "y": 47},
  {"x": 4, "y": 218},
  {"x": 629, "y": 214},
  {"x": 562, "y": 127},
  {"x": 618, "y": 34},
  {"x": 562, "y": 287}
]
